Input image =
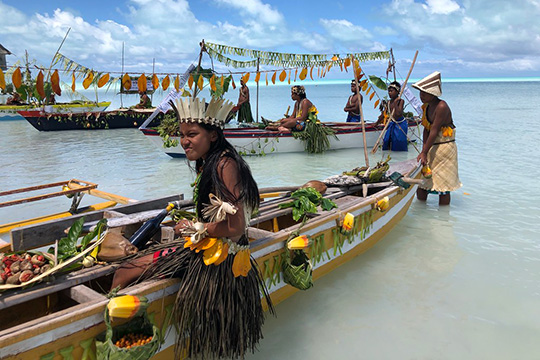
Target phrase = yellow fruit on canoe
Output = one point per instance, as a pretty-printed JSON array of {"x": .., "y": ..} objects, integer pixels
[
  {"x": 383, "y": 204},
  {"x": 126, "y": 306},
  {"x": 298, "y": 243},
  {"x": 212, "y": 254},
  {"x": 348, "y": 222},
  {"x": 190, "y": 81}
]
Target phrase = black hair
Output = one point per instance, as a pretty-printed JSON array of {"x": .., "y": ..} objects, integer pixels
[
  {"x": 301, "y": 93},
  {"x": 395, "y": 84},
  {"x": 210, "y": 181}
]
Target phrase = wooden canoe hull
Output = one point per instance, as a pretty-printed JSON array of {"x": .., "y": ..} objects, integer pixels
[
  {"x": 71, "y": 330},
  {"x": 254, "y": 141},
  {"x": 10, "y": 112},
  {"x": 98, "y": 120}
]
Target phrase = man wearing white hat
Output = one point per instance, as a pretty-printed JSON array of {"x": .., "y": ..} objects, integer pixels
[{"x": 439, "y": 150}]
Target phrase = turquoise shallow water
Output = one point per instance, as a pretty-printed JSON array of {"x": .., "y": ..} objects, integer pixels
[{"x": 459, "y": 282}]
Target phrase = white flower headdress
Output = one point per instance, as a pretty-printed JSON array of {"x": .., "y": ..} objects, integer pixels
[{"x": 190, "y": 110}]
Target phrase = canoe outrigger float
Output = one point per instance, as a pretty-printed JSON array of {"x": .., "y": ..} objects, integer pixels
[
  {"x": 74, "y": 189},
  {"x": 62, "y": 318}
]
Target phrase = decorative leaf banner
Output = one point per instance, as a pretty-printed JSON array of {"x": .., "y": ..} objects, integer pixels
[{"x": 219, "y": 52}]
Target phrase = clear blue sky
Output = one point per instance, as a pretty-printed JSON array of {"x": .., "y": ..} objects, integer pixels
[{"x": 472, "y": 38}]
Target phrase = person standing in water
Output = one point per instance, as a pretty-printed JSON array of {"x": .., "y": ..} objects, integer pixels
[
  {"x": 439, "y": 150},
  {"x": 395, "y": 137}
]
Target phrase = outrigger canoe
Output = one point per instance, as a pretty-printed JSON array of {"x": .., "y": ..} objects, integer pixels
[
  {"x": 255, "y": 141},
  {"x": 61, "y": 319},
  {"x": 96, "y": 120},
  {"x": 10, "y": 112},
  {"x": 73, "y": 189}
]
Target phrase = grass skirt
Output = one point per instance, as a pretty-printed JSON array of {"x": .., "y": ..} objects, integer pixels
[
  {"x": 244, "y": 113},
  {"x": 216, "y": 314}
]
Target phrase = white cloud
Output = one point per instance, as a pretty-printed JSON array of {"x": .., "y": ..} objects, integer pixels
[
  {"x": 443, "y": 7},
  {"x": 346, "y": 32},
  {"x": 478, "y": 32},
  {"x": 260, "y": 11}
]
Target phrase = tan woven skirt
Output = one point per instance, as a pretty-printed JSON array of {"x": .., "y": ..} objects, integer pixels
[{"x": 442, "y": 158}]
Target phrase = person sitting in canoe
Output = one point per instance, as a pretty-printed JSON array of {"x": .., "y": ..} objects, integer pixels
[
  {"x": 352, "y": 107},
  {"x": 304, "y": 110},
  {"x": 395, "y": 137},
  {"x": 383, "y": 117},
  {"x": 145, "y": 102},
  {"x": 218, "y": 310},
  {"x": 439, "y": 150},
  {"x": 15, "y": 99},
  {"x": 52, "y": 99}
]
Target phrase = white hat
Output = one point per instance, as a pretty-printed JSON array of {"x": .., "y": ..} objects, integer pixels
[
  {"x": 190, "y": 110},
  {"x": 431, "y": 84}
]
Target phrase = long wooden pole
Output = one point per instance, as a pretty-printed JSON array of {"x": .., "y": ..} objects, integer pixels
[
  {"x": 361, "y": 112},
  {"x": 121, "y": 85},
  {"x": 56, "y": 53},
  {"x": 198, "y": 68},
  {"x": 391, "y": 117},
  {"x": 257, "y": 109}
]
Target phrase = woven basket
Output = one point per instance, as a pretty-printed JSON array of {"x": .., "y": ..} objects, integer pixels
[{"x": 298, "y": 272}]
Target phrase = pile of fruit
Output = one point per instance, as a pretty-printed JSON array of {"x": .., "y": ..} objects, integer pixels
[
  {"x": 17, "y": 269},
  {"x": 130, "y": 340}
]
